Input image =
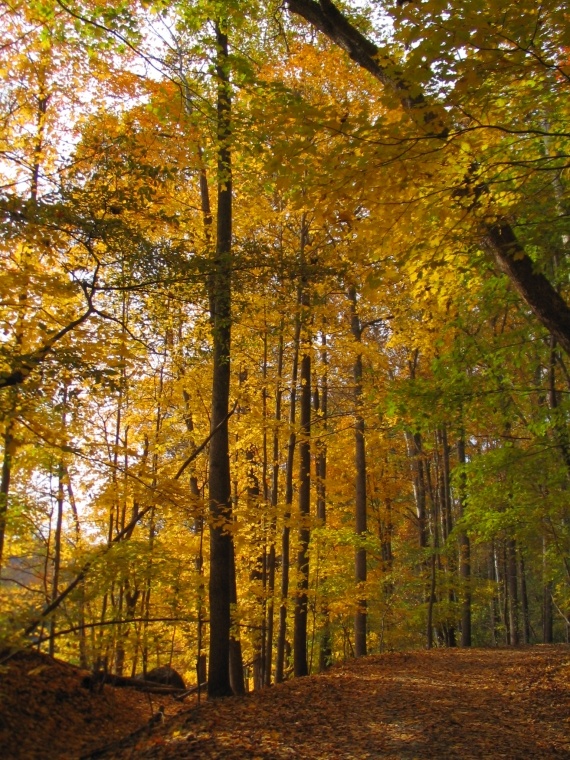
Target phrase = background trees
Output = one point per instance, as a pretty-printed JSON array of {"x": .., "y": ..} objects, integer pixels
[{"x": 380, "y": 453}]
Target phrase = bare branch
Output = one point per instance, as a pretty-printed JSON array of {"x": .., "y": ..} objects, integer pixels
[{"x": 24, "y": 365}]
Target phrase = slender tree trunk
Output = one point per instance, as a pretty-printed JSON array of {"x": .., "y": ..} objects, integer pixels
[
  {"x": 61, "y": 474},
  {"x": 431, "y": 599},
  {"x": 321, "y": 408},
  {"x": 415, "y": 453},
  {"x": 321, "y": 411},
  {"x": 201, "y": 659},
  {"x": 121, "y": 504},
  {"x": 152, "y": 530},
  {"x": 281, "y": 639},
  {"x": 83, "y": 661},
  {"x": 258, "y": 576},
  {"x": 274, "y": 500},
  {"x": 300, "y": 664},
  {"x": 447, "y": 513},
  {"x": 265, "y": 524},
  {"x": 56, "y": 554},
  {"x": 492, "y": 576},
  {"x": 447, "y": 525},
  {"x": 464, "y": 556},
  {"x": 386, "y": 530},
  {"x": 547, "y": 613},
  {"x": 360, "y": 618},
  {"x": 207, "y": 224},
  {"x": 559, "y": 428},
  {"x": 547, "y": 616},
  {"x": 524, "y": 600},
  {"x": 499, "y": 600},
  {"x": 220, "y": 588},
  {"x": 514, "y": 623},
  {"x": 432, "y": 518},
  {"x": 147, "y": 592},
  {"x": 501, "y": 569},
  {"x": 5, "y": 482},
  {"x": 237, "y": 679}
]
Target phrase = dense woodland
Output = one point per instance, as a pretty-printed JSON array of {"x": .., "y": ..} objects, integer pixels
[{"x": 284, "y": 372}]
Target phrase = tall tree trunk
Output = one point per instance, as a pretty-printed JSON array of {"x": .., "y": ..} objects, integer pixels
[
  {"x": 281, "y": 639},
  {"x": 547, "y": 612},
  {"x": 447, "y": 524},
  {"x": 198, "y": 530},
  {"x": 201, "y": 671},
  {"x": 300, "y": 663},
  {"x": 559, "y": 427},
  {"x": 56, "y": 553},
  {"x": 431, "y": 598},
  {"x": 434, "y": 562},
  {"x": 257, "y": 575},
  {"x": 492, "y": 576},
  {"x": 321, "y": 410},
  {"x": 445, "y": 485},
  {"x": 415, "y": 454},
  {"x": 265, "y": 525},
  {"x": 145, "y": 612},
  {"x": 237, "y": 679},
  {"x": 464, "y": 555},
  {"x": 501, "y": 568},
  {"x": 83, "y": 662},
  {"x": 386, "y": 529},
  {"x": 121, "y": 631},
  {"x": 152, "y": 530},
  {"x": 274, "y": 500},
  {"x": 360, "y": 617},
  {"x": 5, "y": 482},
  {"x": 524, "y": 600},
  {"x": 219, "y": 463},
  {"x": 514, "y": 622}
]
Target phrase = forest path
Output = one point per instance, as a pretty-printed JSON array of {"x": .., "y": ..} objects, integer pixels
[
  {"x": 480, "y": 703},
  {"x": 441, "y": 704}
]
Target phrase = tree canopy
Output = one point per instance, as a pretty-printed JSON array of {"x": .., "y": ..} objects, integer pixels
[{"x": 285, "y": 330}]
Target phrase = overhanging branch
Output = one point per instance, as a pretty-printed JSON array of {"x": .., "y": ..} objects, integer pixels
[{"x": 498, "y": 236}]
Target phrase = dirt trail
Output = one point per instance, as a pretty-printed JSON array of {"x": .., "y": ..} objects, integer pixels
[{"x": 446, "y": 704}]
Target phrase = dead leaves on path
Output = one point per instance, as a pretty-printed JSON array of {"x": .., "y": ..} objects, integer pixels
[
  {"x": 46, "y": 712},
  {"x": 448, "y": 704},
  {"x": 441, "y": 704}
]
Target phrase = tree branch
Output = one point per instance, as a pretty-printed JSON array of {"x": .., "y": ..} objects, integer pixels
[
  {"x": 125, "y": 532},
  {"x": 204, "y": 443},
  {"x": 499, "y": 237},
  {"x": 84, "y": 570},
  {"x": 26, "y": 363},
  {"x": 104, "y": 623},
  {"x": 326, "y": 17}
]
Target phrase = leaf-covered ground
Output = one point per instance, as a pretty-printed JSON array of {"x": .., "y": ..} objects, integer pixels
[
  {"x": 46, "y": 712},
  {"x": 442, "y": 704}
]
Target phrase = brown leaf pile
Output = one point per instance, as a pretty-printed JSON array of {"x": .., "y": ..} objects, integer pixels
[
  {"x": 46, "y": 712},
  {"x": 494, "y": 703}
]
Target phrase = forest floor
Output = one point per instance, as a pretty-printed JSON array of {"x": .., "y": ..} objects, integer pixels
[{"x": 445, "y": 704}]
